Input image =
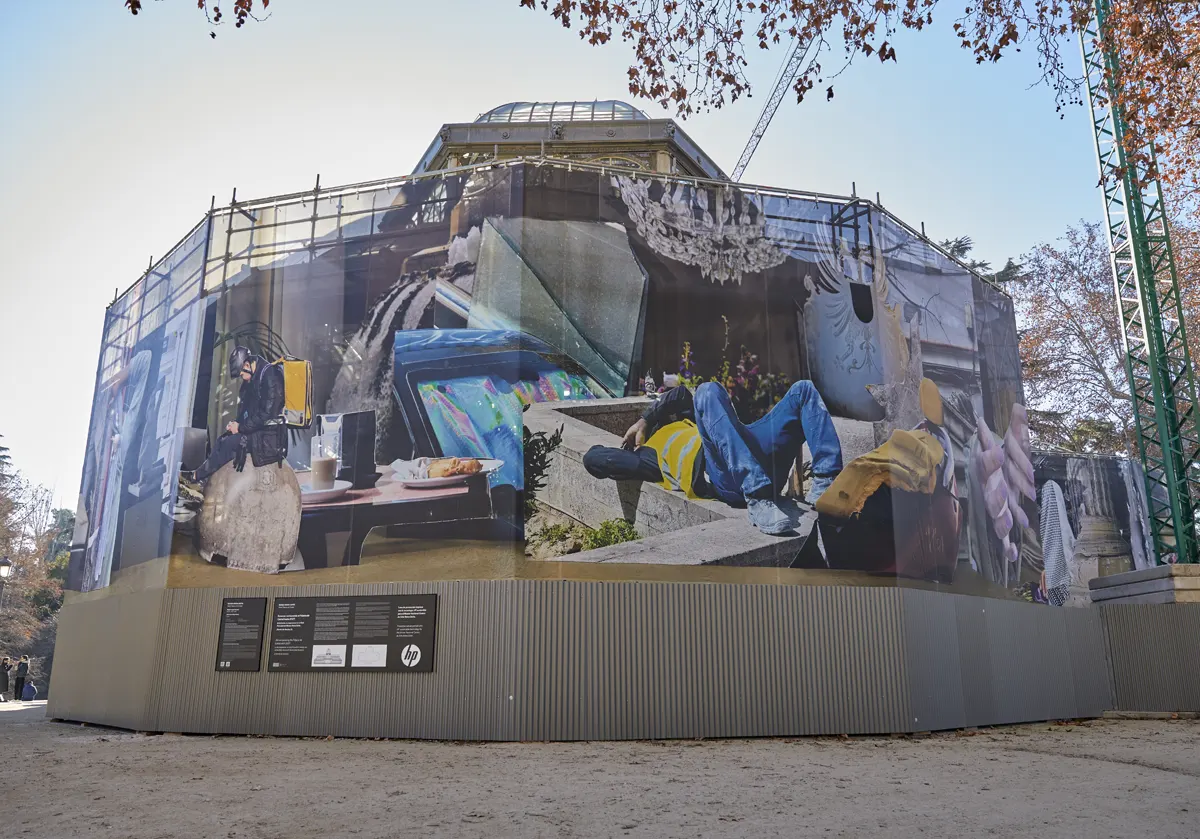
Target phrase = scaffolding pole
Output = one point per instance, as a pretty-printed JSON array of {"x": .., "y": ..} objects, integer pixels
[{"x": 1154, "y": 340}]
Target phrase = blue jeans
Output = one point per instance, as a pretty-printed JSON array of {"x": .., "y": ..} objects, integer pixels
[
  {"x": 754, "y": 460},
  {"x": 622, "y": 464},
  {"x": 225, "y": 451}
]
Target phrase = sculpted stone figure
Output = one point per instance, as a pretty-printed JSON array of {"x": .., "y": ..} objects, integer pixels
[{"x": 252, "y": 517}]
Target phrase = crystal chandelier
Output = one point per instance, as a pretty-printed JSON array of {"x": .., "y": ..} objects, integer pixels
[{"x": 720, "y": 231}]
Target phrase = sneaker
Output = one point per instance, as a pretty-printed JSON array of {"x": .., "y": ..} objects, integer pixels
[
  {"x": 817, "y": 488},
  {"x": 189, "y": 498},
  {"x": 772, "y": 515},
  {"x": 187, "y": 478}
]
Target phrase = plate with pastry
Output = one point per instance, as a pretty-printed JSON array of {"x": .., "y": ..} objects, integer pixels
[{"x": 431, "y": 472}]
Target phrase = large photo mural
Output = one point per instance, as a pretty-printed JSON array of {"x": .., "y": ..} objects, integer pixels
[{"x": 513, "y": 369}]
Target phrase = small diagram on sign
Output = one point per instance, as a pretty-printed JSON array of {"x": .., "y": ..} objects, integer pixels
[
  {"x": 333, "y": 655},
  {"x": 368, "y": 655},
  {"x": 410, "y": 656}
]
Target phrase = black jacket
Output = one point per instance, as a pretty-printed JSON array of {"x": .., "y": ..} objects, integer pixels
[
  {"x": 260, "y": 413},
  {"x": 675, "y": 404},
  {"x": 22, "y": 669}
]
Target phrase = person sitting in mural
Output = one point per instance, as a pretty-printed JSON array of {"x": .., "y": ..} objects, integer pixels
[
  {"x": 696, "y": 444},
  {"x": 259, "y": 429}
]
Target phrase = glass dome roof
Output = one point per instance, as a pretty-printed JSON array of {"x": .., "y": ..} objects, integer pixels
[{"x": 604, "y": 110}]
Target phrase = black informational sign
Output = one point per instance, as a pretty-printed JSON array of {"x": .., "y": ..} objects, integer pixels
[
  {"x": 240, "y": 644},
  {"x": 394, "y": 632}
]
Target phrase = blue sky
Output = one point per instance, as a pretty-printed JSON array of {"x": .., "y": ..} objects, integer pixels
[{"x": 116, "y": 132}]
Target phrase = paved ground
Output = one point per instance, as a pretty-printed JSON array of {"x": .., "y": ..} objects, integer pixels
[{"x": 1095, "y": 779}]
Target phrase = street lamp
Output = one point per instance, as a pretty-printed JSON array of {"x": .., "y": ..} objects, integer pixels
[{"x": 5, "y": 569}]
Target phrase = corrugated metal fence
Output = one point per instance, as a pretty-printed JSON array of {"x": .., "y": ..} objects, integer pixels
[{"x": 564, "y": 660}]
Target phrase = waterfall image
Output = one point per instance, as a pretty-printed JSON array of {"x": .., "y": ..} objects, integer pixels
[{"x": 364, "y": 381}]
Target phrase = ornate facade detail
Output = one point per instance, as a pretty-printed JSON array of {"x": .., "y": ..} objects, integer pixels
[{"x": 630, "y": 161}]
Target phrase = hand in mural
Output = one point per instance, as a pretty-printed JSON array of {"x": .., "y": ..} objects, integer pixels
[
  {"x": 635, "y": 436},
  {"x": 1006, "y": 471},
  {"x": 995, "y": 490},
  {"x": 1018, "y": 463}
]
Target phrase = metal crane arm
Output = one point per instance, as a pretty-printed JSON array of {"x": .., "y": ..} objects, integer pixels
[{"x": 786, "y": 78}]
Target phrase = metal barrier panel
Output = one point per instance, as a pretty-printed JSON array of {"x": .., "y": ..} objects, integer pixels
[
  {"x": 564, "y": 660},
  {"x": 1154, "y": 651},
  {"x": 977, "y": 661},
  {"x": 105, "y": 661}
]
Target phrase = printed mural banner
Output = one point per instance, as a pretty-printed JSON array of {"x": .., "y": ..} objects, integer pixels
[{"x": 514, "y": 364}]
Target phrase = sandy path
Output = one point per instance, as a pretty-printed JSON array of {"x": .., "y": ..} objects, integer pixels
[{"x": 1096, "y": 779}]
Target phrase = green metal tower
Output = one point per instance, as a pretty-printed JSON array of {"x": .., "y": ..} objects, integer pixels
[{"x": 1157, "y": 363}]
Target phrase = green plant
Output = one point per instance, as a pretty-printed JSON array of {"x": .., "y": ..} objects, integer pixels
[
  {"x": 552, "y": 534},
  {"x": 537, "y": 446},
  {"x": 611, "y": 532},
  {"x": 63, "y": 524},
  {"x": 752, "y": 391},
  {"x": 45, "y": 598},
  {"x": 56, "y": 569}
]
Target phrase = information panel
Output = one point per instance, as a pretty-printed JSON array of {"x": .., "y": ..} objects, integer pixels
[
  {"x": 240, "y": 644},
  {"x": 383, "y": 632}
]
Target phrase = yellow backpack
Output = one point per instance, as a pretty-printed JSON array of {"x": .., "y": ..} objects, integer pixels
[{"x": 297, "y": 392}]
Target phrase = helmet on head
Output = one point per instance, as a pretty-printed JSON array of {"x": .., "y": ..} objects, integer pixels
[{"x": 237, "y": 360}]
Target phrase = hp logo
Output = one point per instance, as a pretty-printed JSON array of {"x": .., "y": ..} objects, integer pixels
[{"x": 410, "y": 655}]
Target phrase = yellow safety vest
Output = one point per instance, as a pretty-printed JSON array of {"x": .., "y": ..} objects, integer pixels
[{"x": 678, "y": 446}]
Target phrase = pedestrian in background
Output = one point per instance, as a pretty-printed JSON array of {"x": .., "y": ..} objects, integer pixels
[
  {"x": 5, "y": 666},
  {"x": 22, "y": 674}
]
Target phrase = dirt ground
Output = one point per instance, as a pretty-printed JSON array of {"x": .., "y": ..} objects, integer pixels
[{"x": 1095, "y": 779}]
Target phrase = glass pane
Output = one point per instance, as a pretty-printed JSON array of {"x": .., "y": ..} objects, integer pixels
[{"x": 572, "y": 284}]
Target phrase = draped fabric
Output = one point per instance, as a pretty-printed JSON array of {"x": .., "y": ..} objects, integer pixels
[{"x": 1058, "y": 544}]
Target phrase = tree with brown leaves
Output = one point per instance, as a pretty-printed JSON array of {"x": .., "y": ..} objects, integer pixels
[
  {"x": 1072, "y": 357},
  {"x": 691, "y": 55},
  {"x": 1157, "y": 44},
  {"x": 1072, "y": 360},
  {"x": 243, "y": 10},
  {"x": 29, "y": 531}
]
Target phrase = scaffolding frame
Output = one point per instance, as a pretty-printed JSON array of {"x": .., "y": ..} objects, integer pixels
[{"x": 1146, "y": 283}]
